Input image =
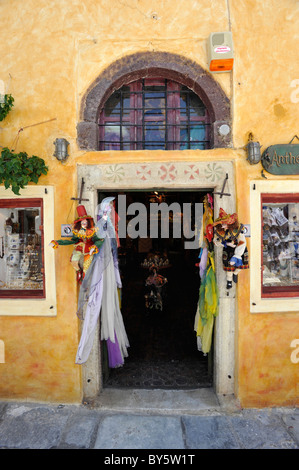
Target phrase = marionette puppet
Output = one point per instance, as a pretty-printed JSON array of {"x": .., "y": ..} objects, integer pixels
[
  {"x": 86, "y": 242},
  {"x": 96, "y": 262},
  {"x": 154, "y": 282},
  {"x": 229, "y": 233},
  {"x": 99, "y": 294}
]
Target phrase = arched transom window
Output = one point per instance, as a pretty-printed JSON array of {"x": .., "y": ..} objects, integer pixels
[{"x": 154, "y": 114}]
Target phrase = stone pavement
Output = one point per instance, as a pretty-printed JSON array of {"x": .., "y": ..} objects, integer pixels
[{"x": 25, "y": 425}]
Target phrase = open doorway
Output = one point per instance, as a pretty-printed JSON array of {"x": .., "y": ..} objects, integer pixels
[{"x": 159, "y": 316}]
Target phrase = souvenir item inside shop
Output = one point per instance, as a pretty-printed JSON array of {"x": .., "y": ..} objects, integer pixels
[
  {"x": 155, "y": 282},
  {"x": 85, "y": 240},
  {"x": 21, "y": 260},
  {"x": 155, "y": 292},
  {"x": 208, "y": 302},
  {"x": 155, "y": 259},
  {"x": 280, "y": 244},
  {"x": 230, "y": 234}
]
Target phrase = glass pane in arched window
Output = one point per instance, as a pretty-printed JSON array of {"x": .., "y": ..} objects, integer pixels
[{"x": 154, "y": 114}]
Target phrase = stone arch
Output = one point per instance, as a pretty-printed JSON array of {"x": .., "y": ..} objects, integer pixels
[{"x": 150, "y": 64}]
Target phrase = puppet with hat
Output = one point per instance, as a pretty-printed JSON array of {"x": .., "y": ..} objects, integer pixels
[
  {"x": 229, "y": 233},
  {"x": 85, "y": 240},
  {"x": 99, "y": 295}
]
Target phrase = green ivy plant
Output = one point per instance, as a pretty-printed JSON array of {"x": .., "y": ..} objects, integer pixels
[
  {"x": 6, "y": 106},
  {"x": 17, "y": 169}
]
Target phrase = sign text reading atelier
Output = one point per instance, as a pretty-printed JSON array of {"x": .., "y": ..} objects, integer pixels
[{"x": 281, "y": 159}]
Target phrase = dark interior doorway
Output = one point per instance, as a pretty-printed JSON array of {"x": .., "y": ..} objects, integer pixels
[{"x": 159, "y": 317}]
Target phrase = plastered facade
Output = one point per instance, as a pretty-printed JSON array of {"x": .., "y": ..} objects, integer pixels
[{"x": 52, "y": 54}]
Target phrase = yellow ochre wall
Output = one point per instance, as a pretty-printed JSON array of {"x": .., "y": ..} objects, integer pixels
[{"x": 51, "y": 52}]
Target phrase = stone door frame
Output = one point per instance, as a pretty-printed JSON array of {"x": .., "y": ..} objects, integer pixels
[{"x": 179, "y": 176}]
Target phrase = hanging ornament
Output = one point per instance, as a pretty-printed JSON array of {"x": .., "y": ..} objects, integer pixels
[
  {"x": 230, "y": 234},
  {"x": 86, "y": 242}
]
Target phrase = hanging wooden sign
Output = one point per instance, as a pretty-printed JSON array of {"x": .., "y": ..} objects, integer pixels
[{"x": 281, "y": 159}]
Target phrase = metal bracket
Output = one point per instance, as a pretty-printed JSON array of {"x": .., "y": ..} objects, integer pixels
[
  {"x": 295, "y": 137},
  {"x": 80, "y": 199},
  {"x": 223, "y": 186}
]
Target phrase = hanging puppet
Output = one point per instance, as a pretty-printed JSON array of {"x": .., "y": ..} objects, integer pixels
[
  {"x": 154, "y": 284},
  {"x": 96, "y": 262},
  {"x": 99, "y": 295},
  {"x": 86, "y": 242},
  {"x": 229, "y": 233}
]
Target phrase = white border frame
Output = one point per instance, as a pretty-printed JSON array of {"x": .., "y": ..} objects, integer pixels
[
  {"x": 46, "y": 306},
  {"x": 257, "y": 303}
]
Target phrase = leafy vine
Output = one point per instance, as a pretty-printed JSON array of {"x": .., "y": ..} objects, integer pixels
[
  {"x": 17, "y": 169},
  {"x": 6, "y": 106}
]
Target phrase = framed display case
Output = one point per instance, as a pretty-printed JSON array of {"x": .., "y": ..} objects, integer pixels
[
  {"x": 27, "y": 262},
  {"x": 21, "y": 248},
  {"x": 280, "y": 245},
  {"x": 274, "y": 246}
]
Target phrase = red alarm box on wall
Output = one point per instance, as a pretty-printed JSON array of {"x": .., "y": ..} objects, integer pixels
[{"x": 220, "y": 52}]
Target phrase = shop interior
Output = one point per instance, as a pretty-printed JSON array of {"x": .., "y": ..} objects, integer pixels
[{"x": 160, "y": 279}]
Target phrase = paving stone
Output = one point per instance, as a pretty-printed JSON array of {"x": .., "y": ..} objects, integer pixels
[
  {"x": 3, "y": 407},
  {"x": 209, "y": 432},
  {"x": 80, "y": 430},
  {"x": 292, "y": 423},
  {"x": 37, "y": 427},
  {"x": 139, "y": 432},
  {"x": 43, "y": 426},
  {"x": 261, "y": 430}
]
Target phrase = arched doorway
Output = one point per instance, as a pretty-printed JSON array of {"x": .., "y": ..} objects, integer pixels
[{"x": 178, "y": 175}]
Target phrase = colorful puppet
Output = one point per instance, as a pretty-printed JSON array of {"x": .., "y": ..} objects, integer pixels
[
  {"x": 95, "y": 259},
  {"x": 99, "y": 294},
  {"x": 229, "y": 233},
  {"x": 86, "y": 242}
]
